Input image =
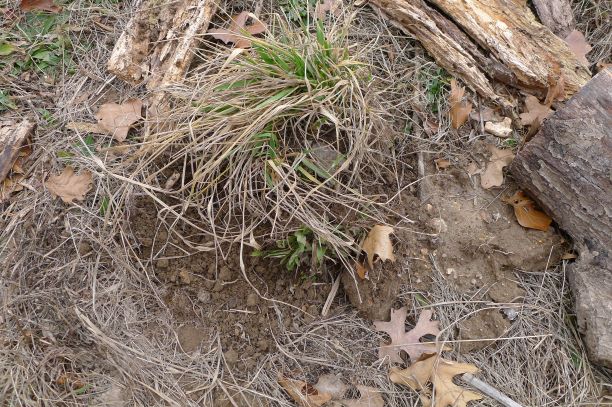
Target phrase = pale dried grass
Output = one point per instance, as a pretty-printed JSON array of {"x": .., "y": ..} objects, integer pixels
[{"x": 98, "y": 314}]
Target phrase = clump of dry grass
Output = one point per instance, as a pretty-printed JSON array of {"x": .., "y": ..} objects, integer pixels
[
  {"x": 96, "y": 315},
  {"x": 594, "y": 19},
  {"x": 279, "y": 136}
]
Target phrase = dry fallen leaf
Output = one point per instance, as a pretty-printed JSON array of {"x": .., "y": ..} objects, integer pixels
[
  {"x": 442, "y": 163},
  {"x": 68, "y": 185},
  {"x": 579, "y": 46},
  {"x": 535, "y": 113},
  {"x": 440, "y": 373},
  {"x": 459, "y": 109},
  {"x": 238, "y": 31},
  {"x": 417, "y": 375},
  {"x": 378, "y": 243},
  {"x": 302, "y": 393},
  {"x": 555, "y": 92},
  {"x": 10, "y": 185},
  {"x": 526, "y": 212},
  {"x": 42, "y": 5},
  {"x": 116, "y": 119},
  {"x": 447, "y": 393},
  {"x": 473, "y": 169},
  {"x": 368, "y": 397},
  {"x": 333, "y": 6},
  {"x": 493, "y": 175},
  {"x": 407, "y": 341}
]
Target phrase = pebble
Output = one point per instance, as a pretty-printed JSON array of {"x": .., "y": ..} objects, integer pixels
[
  {"x": 84, "y": 248},
  {"x": 204, "y": 296},
  {"x": 252, "y": 300},
  {"x": 225, "y": 274},
  {"x": 231, "y": 357},
  {"x": 217, "y": 287},
  {"x": 185, "y": 277}
]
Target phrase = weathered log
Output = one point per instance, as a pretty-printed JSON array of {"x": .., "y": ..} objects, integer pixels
[
  {"x": 567, "y": 169},
  {"x": 158, "y": 42},
  {"x": 556, "y": 15},
  {"x": 480, "y": 39},
  {"x": 12, "y": 136}
]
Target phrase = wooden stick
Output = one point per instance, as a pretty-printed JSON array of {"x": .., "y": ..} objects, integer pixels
[{"x": 489, "y": 390}]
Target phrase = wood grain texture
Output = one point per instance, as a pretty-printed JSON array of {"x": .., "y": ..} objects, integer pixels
[
  {"x": 483, "y": 40},
  {"x": 13, "y": 135},
  {"x": 567, "y": 168},
  {"x": 158, "y": 43},
  {"x": 556, "y": 15}
]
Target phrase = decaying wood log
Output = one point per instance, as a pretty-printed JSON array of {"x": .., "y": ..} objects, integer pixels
[
  {"x": 158, "y": 42},
  {"x": 476, "y": 40},
  {"x": 567, "y": 168},
  {"x": 556, "y": 15},
  {"x": 12, "y": 136}
]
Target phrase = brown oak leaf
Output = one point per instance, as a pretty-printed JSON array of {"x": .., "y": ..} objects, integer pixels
[
  {"x": 41, "y": 5},
  {"x": 440, "y": 373},
  {"x": 579, "y": 46},
  {"x": 407, "y": 341},
  {"x": 302, "y": 393},
  {"x": 368, "y": 397},
  {"x": 116, "y": 119},
  {"x": 238, "y": 32},
  {"x": 527, "y": 214},
  {"x": 333, "y": 6},
  {"x": 493, "y": 175},
  {"x": 68, "y": 185},
  {"x": 459, "y": 109},
  {"x": 535, "y": 113}
]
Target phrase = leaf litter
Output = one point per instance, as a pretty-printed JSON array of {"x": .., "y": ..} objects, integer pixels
[
  {"x": 579, "y": 46},
  {"x": 407, "y": 341},
  {"x": 440, "y": 373},
  {"x": 526, "y": 212},
  {"x": 238, "y": 31},
  {"x": 377, "y": 243},
  {"x": 459, "y": 109},
  {"x": 493, "y": 175},
  {"x": 40, "y": 5},
  {"x": 116, "y": 119},
  {"x": 69, "y": 186}
]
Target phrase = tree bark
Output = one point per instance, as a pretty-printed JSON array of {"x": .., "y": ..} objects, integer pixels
[
  {"x": 483, "y": 40},
  {"x": 158, "y": 42},
  {"x": 12, "y": 136},
  {"x": 567, "y": 169},
  {"x": 556, "y": 15}
]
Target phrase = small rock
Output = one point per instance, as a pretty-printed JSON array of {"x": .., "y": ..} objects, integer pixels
[
  {"x": 225, "y": 274},
  {"x": 162, "y": 263},
  {"x": 217, "y": 287},
  {"x": 185, "y": 276},
  {"x": 438, "y": 225},
  {"x": 501, "y": 129},
  {"x": 84, "y": 248},
  {"x": 204, "y": 296},
  {"x": 231, "y": 357},
  {"x": 262, "y": 345},
  {"x": 252, "y": 300}
]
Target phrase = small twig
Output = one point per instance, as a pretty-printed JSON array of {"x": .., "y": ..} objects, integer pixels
[{"x": 489, "y": 390}]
